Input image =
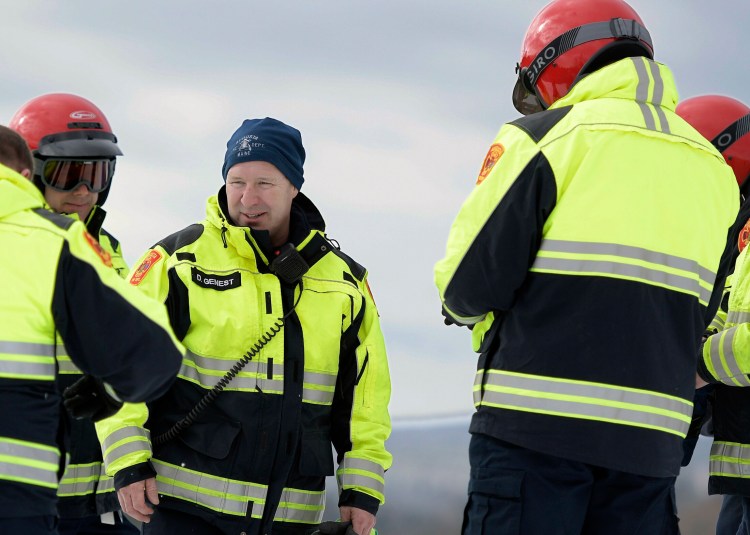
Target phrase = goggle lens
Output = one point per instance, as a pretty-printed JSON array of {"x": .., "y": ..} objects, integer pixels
[{"x": 67, "y": 175}]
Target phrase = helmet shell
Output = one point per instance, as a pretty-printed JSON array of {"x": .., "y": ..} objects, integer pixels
[
  {"x": 62, "y": 125},
  {"x": 711, "y": 115},
  {"x": 560, "y": 16}
]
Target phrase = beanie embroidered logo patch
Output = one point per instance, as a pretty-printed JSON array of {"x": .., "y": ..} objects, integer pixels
[
  {"x": 493, "y": 155},
  {"x": 152, "y": 258},
  {"x": 246, "y": 144}
]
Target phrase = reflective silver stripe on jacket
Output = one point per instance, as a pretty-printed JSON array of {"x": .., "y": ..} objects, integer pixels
[
  {"x": 220, "y": 494},
  {"x": 355, "y": 472},
  {"x": 319, "y": 387},
  {"x": 729, "y": 459},
  {"x": 232, "y": 497},
  {"x": 30, "y": 463},
  {"x": 79, "y": 479},
  {"x": 207, "y": 371},
  {"x": 138, "y": 439},
  {"x": 579, "y": 399},
  {"x": 724, "y": 361},
  {"x": 655, "y": 273},
  {"x": 25, "y": 360},
  {"x": 642, "y": 91},
  {"x": 736, "y": 316},
  {"x": 301, "y": 506}
]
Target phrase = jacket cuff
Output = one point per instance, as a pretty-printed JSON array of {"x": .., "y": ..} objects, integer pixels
[
  {"x": 360, "y": 500},
  {"x": 131, "y": 474}
]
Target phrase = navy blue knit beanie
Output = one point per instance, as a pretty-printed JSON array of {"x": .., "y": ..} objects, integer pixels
[{"x": 267, "y": 140}]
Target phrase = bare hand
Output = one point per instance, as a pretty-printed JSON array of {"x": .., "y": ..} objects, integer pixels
[
  {"x": 699, "y": 382},
  {"x": 362, "y": 521},
  {"x": 133, "y": 499}
]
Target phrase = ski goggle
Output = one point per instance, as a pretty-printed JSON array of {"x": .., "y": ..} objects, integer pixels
[
  {"x": 525, "y": 97},
  {"x": 67, "y": 175}
]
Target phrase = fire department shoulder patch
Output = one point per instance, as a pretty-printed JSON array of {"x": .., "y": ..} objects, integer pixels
[
  {"x": 148, "y": 262},
  {"x": 493, "y": 155},
  {"x": 104, "y": 255},
  {"x": 744, "y": 236}
]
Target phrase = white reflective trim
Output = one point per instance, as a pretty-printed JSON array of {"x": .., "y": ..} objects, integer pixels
[
  {"x": 728, "y": 365},
  {"x": 27, "y": 462},
  {"x": 729, "y": 459},
  {"x": 131, "y": 431},
  {"x": 79, "y": 479},
  {"x": 655, "y": 274},
  {"x": 736, "y": 316},
  {"x": 591, "y": 401}
]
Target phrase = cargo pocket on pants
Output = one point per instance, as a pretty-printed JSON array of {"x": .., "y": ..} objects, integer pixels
[{"x": 494, "y": 505}]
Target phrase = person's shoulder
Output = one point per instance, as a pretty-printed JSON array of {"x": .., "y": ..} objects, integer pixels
[
  {"x": 182, "y": 238},
  {"x": 538, "y": 125},
  {"x": 60, "y": 221},
  {"x": 114, "y": 242},
  {"x": 354, "y": 269}
]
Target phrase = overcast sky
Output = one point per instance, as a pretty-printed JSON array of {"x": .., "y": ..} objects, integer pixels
[{"x": 397, "y": 103}]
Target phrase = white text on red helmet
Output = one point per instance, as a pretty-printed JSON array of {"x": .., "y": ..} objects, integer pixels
[
  {"x": 83, "y": 115},
  {"x": 541, "y": 62}
]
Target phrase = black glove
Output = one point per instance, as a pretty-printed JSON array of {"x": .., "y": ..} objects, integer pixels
[
  {"x": 334, "y": 528},
  {"x": 88, "y": 398}
]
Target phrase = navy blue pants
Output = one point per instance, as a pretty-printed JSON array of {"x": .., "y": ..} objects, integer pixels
[
  {"x": 514, "y": 491},
  {"x": 92, "y": 525},
  {"x": 29, "y": 525},
  {"x": 734, "y": 517},
  {"x": 171, "y": 522}
]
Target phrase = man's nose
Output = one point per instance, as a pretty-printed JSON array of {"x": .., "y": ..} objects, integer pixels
[
  {"x": 80, "y": 190},
  {"x": 250, "y": 195}
]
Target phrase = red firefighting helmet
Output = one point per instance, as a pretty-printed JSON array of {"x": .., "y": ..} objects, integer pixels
[
  {"x": 71, "y": 140},
  {"x": 570, "y": 38},
  {"x": 725, "y": 122}
]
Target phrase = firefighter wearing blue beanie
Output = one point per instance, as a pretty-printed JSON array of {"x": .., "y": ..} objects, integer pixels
[{"x": 267, "y": 140}]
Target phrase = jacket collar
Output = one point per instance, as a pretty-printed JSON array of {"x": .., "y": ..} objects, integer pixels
[
  {"x": 638, "y": 78},
  {"x": 17, "y": 193},
  {"x": 305, "y": 222}
]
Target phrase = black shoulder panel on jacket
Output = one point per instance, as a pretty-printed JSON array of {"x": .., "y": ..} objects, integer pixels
[
  {"x": 486, "y": 279},
  {"x": 357, "y": 270},
  {"x": 181, "y": 238},
  {"x": 62, "y": 221},
  {"x": 537, "y": 125},
  {"x": 115, "y": 243}
]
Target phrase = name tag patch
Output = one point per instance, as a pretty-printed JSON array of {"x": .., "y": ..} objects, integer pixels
[{"x": 216, "y": 282}]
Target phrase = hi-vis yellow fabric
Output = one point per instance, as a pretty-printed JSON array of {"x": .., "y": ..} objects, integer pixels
[
  {"x": 587, "y": 262},
  {"x": 57, "y": 279},
  {"x": 324, "y": 375}
]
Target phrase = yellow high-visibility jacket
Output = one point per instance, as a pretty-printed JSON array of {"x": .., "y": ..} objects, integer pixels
[
  {"x": 56, "y": 278},
  {"x": 261, "y": 450},
  {"x": 586, "y": 260},
  {"x": 85, "y": 490}
]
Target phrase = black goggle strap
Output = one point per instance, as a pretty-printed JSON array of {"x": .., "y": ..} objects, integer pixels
[
  {"x": 616, "y": 28},
  {"x": 732, "y": 133}
]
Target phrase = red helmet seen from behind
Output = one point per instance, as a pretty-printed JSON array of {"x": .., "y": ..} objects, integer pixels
[
  {"x": 725, "y": 122},
  {"x": 570, "y": 38},
  {"x": 61, "y": 126}
]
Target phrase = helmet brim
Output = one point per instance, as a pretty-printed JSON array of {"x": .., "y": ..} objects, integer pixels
[{"x": 80, "y": 148}]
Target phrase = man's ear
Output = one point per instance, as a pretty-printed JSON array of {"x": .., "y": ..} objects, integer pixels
[{"x": 26, "y": 173}]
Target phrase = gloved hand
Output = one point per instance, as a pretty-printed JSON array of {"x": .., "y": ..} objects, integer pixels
[
  {"x": 90, "y": 398},
  {"x": 450, "y": 320},
  {"x": 334, "y": 528}
]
